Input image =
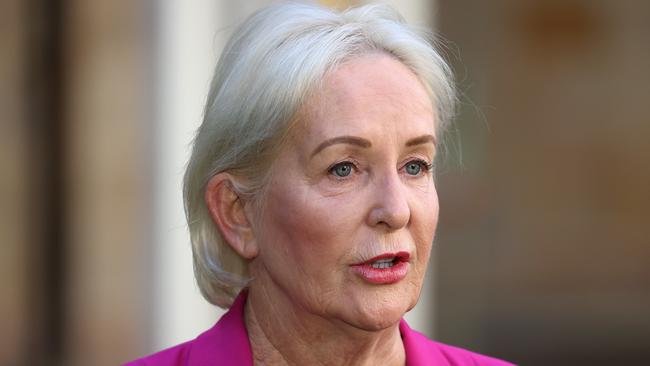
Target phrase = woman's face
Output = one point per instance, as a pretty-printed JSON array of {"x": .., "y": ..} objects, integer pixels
[{"x": 349, "y": 215}]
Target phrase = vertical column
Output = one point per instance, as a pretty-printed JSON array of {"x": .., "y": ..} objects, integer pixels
[
  {"x": 187, "y": 36},
  {"x": 107, "y": 179},
  {"x": 14, "y": 164}
]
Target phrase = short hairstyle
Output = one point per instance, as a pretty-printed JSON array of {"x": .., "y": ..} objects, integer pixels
[{"x": 273, "y": 60}]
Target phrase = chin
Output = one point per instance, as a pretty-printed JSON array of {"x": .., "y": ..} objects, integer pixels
[
  {"x": 373, "y": 320},
  {"x": 380, "y": 311}
]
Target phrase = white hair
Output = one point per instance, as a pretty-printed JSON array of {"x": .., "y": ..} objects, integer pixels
[{"x": 274, "y": 59}]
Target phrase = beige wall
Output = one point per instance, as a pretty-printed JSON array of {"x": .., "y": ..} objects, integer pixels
[{"x": 544, "y": 244}]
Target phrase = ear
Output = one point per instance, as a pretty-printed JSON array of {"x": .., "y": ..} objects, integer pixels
[{"x": 228, "y": 212}]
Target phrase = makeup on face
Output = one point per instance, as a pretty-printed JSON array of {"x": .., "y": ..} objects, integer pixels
[
  {"x": 351, "y": 208},
  {"x": 386, "y": 268}
]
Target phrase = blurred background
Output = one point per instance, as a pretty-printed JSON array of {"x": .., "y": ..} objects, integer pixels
[{"x": 543, "y": 251}]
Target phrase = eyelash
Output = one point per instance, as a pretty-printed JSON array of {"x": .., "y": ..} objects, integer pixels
[{"x": 425, "y": 167}]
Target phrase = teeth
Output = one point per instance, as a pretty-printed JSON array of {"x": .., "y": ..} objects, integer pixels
[
  {"x": 385, "y": 260},
  {"x": 382, "y": 264}
]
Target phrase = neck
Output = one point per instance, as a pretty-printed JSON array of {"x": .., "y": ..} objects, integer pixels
[{"x": 283, "y": 333}]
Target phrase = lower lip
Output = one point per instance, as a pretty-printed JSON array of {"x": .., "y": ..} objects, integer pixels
[{"x": 382, "y": 276}]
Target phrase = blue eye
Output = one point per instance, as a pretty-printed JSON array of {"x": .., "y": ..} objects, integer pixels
[
  {"x": 415, "y": 167},
  {"x": 342, "y": 169}
]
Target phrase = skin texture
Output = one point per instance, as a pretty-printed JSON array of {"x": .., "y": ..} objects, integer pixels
[{"x": 306, "y": 305}]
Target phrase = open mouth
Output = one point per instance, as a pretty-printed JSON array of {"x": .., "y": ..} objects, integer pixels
[
  {"x": 384, "y": 263},
  {"x": 387, "y": 268},
  {"x": 387, "y": 260}
]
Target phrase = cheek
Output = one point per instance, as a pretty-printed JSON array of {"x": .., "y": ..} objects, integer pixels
[
  {"x": 425, "y": 218},
  {"x": 424, "y": 205},
  {"x": 308, "y": 228}
]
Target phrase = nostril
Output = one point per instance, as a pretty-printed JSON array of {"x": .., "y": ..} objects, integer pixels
[{"x": 393, "y": 217}]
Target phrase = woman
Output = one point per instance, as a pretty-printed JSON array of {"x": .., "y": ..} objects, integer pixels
[{"x": 310, "y": 195}]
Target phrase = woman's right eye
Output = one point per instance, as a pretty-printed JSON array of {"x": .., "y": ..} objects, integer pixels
[{"x": 342, "y": 170}]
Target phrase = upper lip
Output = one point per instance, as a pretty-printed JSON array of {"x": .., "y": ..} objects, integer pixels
[{"x": 399, "y": 256}]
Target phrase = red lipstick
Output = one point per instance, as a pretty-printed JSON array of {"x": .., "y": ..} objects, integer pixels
[{"x": 386, "y": 268}]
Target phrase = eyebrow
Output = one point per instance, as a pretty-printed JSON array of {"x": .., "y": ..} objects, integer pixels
[
  {"x": 422, "y": 140},
  {"x": 352, "y": 140},
  {"x": 361, "y": 142}
]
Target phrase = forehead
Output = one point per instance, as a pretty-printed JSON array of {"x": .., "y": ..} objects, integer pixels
[{"x": 370, "y": 92}]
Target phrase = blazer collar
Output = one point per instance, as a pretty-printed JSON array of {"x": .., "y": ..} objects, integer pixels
[{"x": 226, "y": 343}]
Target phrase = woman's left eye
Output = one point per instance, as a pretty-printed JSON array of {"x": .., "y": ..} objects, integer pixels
[
  {"x": 342, "y": 170},
  {"x": 415, "y": 167}
]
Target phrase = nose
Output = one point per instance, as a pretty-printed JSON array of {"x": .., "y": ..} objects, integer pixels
[{"x": 390, "y": 207}]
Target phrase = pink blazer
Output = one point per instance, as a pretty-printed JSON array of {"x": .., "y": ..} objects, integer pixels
[{"x": 226, "y": 343}]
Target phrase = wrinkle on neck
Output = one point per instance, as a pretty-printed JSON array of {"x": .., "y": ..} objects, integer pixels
[{"x": 282, "y": 334}]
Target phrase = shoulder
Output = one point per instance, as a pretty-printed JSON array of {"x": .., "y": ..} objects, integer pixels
[
  {"x": 226, "y": 343},
  {"x": 422, "y": 351},
  {"x": 173, "y": 356},
  {"x": 459, "y": 356}
]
